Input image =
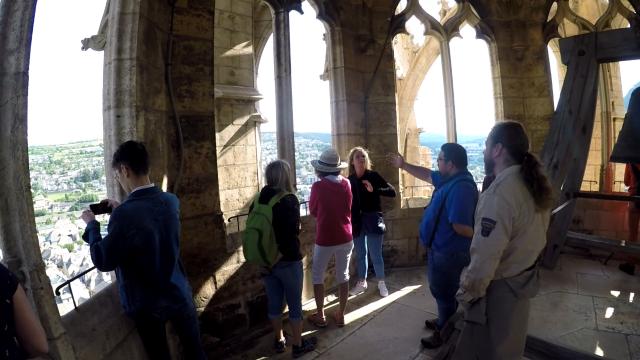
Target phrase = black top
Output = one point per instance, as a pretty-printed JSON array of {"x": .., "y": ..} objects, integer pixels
[
  {"x": 365, "y": 201},
  {"x": 9, "y": 348},
  {"x": 286, "y": 223}
]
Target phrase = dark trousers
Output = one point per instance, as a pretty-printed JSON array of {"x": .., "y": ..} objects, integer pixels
[
  {"x": 443, "y": 272},
  {"x": 152, "y": 330}
]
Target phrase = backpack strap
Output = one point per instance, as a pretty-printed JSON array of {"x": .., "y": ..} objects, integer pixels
[
  {"x": 274, "y": 200},
  {"x": 442, "y": 206}
]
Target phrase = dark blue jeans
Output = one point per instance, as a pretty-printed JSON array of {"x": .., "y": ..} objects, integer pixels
[
  {"x": 443, "y": 272},
  {"x": 152, "y": 330}
]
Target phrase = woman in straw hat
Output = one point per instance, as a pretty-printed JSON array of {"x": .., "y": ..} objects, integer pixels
[{"x": 330, "y": 204}]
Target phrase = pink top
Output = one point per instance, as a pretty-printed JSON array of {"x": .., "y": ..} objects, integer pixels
[{"x": 330, "y": 204}]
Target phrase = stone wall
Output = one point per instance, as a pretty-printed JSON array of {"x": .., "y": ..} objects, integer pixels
[
  {"x": 101, "y": 317},
  {"x": 362, "y": 97}
]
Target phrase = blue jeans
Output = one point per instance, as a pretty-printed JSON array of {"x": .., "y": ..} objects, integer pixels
[
  {"x": 372, "y": 243},
  {"x": 443, "y": 272},
  {"x": 284, "y": 282}
]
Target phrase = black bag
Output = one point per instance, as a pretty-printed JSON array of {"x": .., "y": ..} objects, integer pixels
[{"x": 373, "y": 223}]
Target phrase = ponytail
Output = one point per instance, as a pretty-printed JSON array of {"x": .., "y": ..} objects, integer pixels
[
  {"x": 536, "y": 182},
  {"x": 514, "y": 139}
]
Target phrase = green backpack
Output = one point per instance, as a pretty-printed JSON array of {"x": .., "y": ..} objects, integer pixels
[{"x": 258, "y": 240}]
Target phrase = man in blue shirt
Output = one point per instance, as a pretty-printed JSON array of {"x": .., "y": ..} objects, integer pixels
[
  {"x": 446, "y": 229},
  {"x": 143, "y": 247}
]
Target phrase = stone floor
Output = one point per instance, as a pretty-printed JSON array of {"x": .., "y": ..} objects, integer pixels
[{"x": 582, "y": 304}]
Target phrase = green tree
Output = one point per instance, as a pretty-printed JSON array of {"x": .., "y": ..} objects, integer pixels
[
  {"x": 38, "y": 213},
  {"x": 69, "y": 247}
]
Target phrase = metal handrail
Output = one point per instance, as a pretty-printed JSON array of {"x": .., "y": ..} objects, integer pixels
[
  {"x": 605, "y": 196},
  {"x": 68, "y": 283},
  {"x": 306, "y": 207},
  {"x": 590, "y": 182},
  {"x": 237, "y": 217}
]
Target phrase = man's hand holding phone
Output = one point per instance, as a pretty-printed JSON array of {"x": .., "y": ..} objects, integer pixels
[
  {"x": 105, "y": 206},
  {"x": 100, "y": 208}
]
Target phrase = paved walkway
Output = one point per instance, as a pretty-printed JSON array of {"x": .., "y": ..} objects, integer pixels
[{"x": 582, "y": 303}]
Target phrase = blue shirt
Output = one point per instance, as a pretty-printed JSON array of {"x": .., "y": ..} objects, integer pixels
[
  {"x": 461, "y": 195},
  {"x": 143, "y": 247}
]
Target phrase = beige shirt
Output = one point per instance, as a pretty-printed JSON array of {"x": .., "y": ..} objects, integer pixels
[{"x": 509, "y": 234}]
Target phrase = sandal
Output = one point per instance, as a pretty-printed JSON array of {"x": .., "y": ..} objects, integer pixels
[
  {"x": 339, "y": 320},
  {"x": 317, "y": 320}
]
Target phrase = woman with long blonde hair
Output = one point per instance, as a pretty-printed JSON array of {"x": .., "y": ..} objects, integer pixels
[
  {"x": 283, "y": 281},
  {"x": 366, "y": 216}
]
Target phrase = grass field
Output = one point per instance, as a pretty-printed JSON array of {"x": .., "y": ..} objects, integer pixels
[{"x": 57, "y": 196}]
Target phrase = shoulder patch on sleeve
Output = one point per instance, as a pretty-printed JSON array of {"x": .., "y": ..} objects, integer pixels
[{"x": 488, "y": 225}]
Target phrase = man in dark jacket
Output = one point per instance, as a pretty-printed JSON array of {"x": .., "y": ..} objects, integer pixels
[{"x": 143, "y": 247}]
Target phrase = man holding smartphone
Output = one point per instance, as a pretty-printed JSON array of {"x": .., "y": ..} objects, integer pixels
[{"x": 143, "y": 246}]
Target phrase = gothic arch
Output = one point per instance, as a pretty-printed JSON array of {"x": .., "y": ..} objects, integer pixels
[
  {"x": 18, "y": 237},
  {"x": 262, "y": 28},
  {"x": 438, "y": 42}
]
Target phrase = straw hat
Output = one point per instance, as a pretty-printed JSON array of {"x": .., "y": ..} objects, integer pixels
[{"x": 329, "y": 162}]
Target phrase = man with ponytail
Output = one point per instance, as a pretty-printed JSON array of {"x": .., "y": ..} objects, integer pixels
[{"x": 511, "y": 221}]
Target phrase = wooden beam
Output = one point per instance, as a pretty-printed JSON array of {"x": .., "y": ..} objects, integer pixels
[
  {"x": 538, "y": 348},
  {"x": 610, "y": 46},
  {"x": 566, "y": 149}
]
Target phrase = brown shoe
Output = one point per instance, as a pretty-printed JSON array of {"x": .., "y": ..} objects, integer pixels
[
  {"x": 431, "y": 324},
  {"x": 318, "y": 320},
  {"x": 433, "y": 341}
]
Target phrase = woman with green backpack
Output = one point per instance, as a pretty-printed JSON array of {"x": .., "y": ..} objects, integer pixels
[{"x": 283, "y": 280}]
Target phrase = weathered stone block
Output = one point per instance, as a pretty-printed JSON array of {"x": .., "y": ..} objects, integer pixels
[
  {"x": 198, "y": 129},
  {"x": 241, "y": 155},
  {"x": 228, "y": 134},
  {"x": 196, "y": 22},
  {"x": 242, "y": 7},
  {"x": 405, "y": 228},
  {"x": 238, "y": 198},
  {"x": 224, "y": 5},
  {"x": 233, "y": 76}
]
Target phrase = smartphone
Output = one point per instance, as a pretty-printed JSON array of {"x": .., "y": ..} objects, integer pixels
[{"x": 100, "y": 208}]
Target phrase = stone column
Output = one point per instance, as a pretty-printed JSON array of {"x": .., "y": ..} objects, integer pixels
[
  {"x": 18, "y": 237},
  {"x": 282, "y": 69},
  {"x": 449, "y": 101},
  {"x": 362, "y": 74},
  {"x": 522, "y": 83}
]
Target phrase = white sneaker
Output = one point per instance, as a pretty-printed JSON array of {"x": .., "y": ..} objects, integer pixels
[
  {"x": 382, "y": 287},
  {"x": 360, "y": 287}
]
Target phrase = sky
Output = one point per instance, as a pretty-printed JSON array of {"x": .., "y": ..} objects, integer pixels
[
  {"x": 65, "y": 83},
  {"x": 311, "y": 96},
  {"x": 472, "y": 87},
  {"x": 629, "y": 75}
]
